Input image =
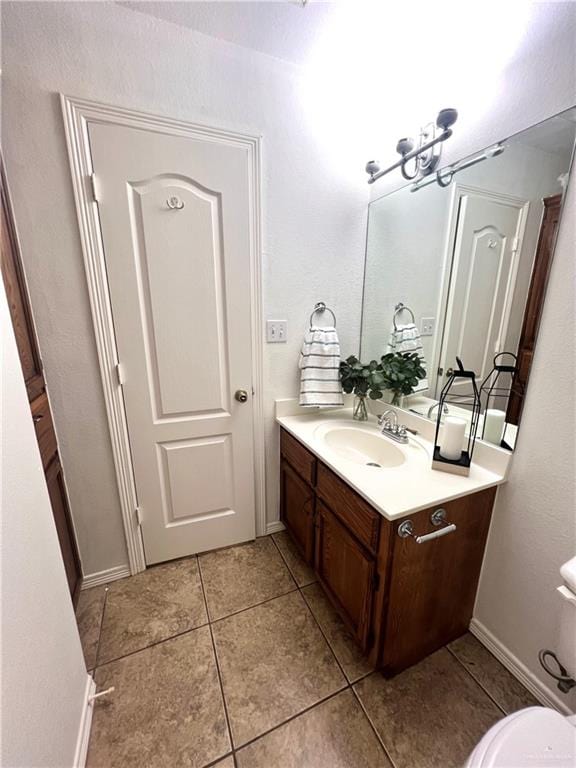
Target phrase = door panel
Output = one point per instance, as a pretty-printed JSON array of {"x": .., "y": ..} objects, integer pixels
[
  {"x": 347, "y": 573},
  {"x": 59, "y": 502},
  {"x": 297, "y": 510},
  {"x": 175, "y": 222},
  {"x": 481, "y": 286},
  {"x": 182, "y": 296}
]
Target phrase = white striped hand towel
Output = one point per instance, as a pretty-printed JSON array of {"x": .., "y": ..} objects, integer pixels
[
  {"x": 406, "y": 338},
  {"x": 320, "y": 365}
]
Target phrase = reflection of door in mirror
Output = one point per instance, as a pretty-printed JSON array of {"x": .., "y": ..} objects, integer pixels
[
  {"x": 487, "y": 244},
  {"x": 535, "y": 301}
]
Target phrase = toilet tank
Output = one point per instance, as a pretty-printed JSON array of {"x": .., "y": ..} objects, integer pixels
[{"x": 566, "y": 651}]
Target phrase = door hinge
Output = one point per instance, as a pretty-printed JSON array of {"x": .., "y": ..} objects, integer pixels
[
  {"x": 515, "y": 244},
  {"x": 138, "y": 513},
  {"x": 94, "y": 187},
  {"x": 440, "y": 371},
  {"x": 120, "y": 375}
]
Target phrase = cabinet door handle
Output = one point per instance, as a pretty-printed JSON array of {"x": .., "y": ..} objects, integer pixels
[
  {"x": 406, "y": 529},
  {"x": 37, "y": 418}
]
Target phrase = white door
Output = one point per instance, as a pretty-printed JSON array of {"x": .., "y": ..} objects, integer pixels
[
  {"x": 175, "y": 219},
  {"x": 484, "y": 269}
]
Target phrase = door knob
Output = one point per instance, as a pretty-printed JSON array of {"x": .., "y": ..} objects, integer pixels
[{"x": 241, "y": 395}]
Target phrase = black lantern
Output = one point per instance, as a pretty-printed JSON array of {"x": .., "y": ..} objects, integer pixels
[
  {"x": 468, "y": 397},
  {"x": 501, "y": 382}
]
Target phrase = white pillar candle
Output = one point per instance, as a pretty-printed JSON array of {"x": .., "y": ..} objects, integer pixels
[
  {"x": 452, "y": 438},
  {"x": 494, "y": 421}
]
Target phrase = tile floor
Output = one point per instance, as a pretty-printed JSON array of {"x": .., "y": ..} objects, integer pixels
[{"x": 235, "y": 659}]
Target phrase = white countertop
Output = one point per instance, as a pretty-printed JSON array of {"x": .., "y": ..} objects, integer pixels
[{"x": 393, "y": 491}]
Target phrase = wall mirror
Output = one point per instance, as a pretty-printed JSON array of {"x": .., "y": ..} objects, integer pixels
[{"x": 466, "y": 261}]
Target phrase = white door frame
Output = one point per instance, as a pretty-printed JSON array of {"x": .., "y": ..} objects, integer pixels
[
  {"x": 444, "y": 308},
  {"x": 77, "y": 113}
]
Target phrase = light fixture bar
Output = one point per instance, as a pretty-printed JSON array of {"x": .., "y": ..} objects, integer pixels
[{"x": 444, "y": 177}]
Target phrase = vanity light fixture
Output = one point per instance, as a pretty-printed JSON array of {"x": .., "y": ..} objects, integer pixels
[
  {"x": 444, "y": 177},
  {"x": 426, "y": 155}
]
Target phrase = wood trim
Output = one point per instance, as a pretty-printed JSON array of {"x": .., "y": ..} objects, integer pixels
[
  {"x": 105, "y": 577},
  {"x": 81, "y": 752},
  {"x": 76, "y": 113},
  {"x": 535, "y": 301},
  {"x": 35, "y": 385}
]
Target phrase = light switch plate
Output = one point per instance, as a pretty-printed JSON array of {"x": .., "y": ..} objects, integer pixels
[
  {"x": 276, "y": 331},
  {"x": 427, "y": 326}
]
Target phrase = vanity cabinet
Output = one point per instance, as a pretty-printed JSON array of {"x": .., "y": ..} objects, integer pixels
[
  {"x": 297, "y": 503},
  {"x": 346, "y": 571},
  {"x": 401, "y": 600}
]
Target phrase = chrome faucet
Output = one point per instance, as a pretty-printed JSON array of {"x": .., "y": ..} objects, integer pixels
[
  {"x": 432, "y": 407},
  {"x": 392, "y": 429}
]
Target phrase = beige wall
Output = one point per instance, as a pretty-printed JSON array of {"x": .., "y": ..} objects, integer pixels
[
  {"x": 313, "y": 249},
  {"x": 313, "y": 216},
  {"x": 534, "y": 526}
]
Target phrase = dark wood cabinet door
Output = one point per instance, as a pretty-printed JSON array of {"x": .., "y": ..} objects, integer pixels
[
  {"x": 347, "y": 572},
  {"x": 59, "y": 501},
  {"x": 297, "y": 510},
  {"x": 535, "y": 302},
  {"x": 433, "y": 584}
]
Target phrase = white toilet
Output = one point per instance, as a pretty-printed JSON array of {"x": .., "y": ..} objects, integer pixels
[{"x": 538, "y": 737}]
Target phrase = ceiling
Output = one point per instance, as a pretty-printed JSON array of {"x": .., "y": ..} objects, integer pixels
[{"x": 286, "y": 30}]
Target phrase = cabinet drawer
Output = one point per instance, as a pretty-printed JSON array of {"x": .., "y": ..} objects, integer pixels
[
  {"x": 356, "y": 514},
  {"x": 44, "y": 428},
  {"x": 301, "y": 460}
]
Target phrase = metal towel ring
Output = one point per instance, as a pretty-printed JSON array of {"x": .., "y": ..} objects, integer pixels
[
  {"x": 398, "y": 309},
  {"x": 321, "y": 307}
]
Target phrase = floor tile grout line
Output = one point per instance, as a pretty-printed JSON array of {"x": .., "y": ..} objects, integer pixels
[
  {"x": 218, "y": 670},
  {"x": 292, "y": 717},
  {"x": 328, "y": 643},
  {"x": 372, "y": 725},
  {"x": 350, "y": 683},
  {"x": 249, "y": 607},
  {"x": 208, "y": 622},
  {"x": 478, "y": 683},
  {"x": 215, "y": 762},
  {"x": 100, "y": 627},
  {"x": 153, "y": 645},
  {"x": 284, "y": 561}
]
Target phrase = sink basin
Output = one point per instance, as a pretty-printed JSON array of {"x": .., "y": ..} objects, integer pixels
[{"x": 363, "y": 447}]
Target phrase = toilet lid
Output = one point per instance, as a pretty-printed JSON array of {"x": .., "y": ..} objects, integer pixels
[{"x": 536, "y": 736}]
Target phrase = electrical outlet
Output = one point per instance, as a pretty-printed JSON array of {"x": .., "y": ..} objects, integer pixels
[
  {"x": 427, "y": 326},
  {"x": 276, "y": 331}
]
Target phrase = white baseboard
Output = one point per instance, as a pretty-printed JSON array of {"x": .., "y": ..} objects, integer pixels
[
  {"x": 103, "y": 577},
  {"x": 85, "y": 725},
  {"x": 275, "y": 527},
  {"x": 513, "y": 664}
]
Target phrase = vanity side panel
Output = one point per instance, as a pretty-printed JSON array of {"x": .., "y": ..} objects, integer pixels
[{"x": 433, "y": 585}]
